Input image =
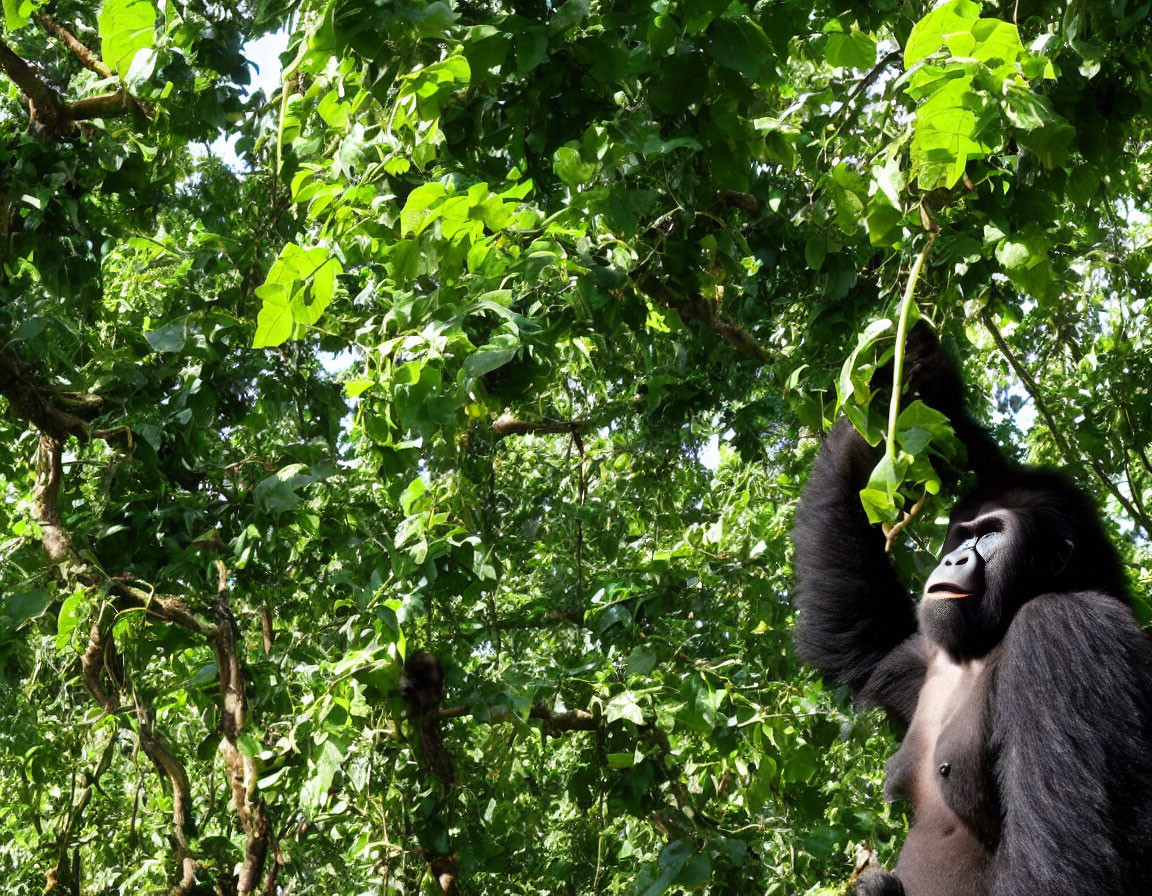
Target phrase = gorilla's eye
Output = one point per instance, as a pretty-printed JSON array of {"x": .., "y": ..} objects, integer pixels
[{"x": 987, "y": 544}]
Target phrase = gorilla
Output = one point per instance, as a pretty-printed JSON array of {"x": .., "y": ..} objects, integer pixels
[{"x": 1022, "y": 675}]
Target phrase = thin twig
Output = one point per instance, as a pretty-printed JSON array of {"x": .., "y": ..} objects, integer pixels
[{"x": 1063, "y": 446}]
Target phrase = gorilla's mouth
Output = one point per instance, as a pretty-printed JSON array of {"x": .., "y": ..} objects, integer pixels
[{"x": 945, "y": 591}]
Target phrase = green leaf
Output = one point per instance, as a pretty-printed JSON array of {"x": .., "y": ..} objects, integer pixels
[
  {"x": 329, "y": 759},
  {"x": 71, "y": 613},
  {"x": 126, "y": 26},
  {"x": 928, "y": 34},
  {"x": 672, "y": 859},
  {"x": 852, "y": 50},
  {"x": 417, "y": 213},
  {"x": 800, "y": 764},
  {"x": 168, "y": 339},
  {"x": 17, "y": 13},
  {"x": 624, "y": 706},
  {"x": 741, "y": 45},
  {"x": 1013, "y": 254},
  {"x": 277, "y": 493},
  {"x": 815, "y": 249},
  {"x": 570, "y": 14},
  {"x": 274, "y": 322},
  {"x": 487, "y": 360},
  {"x": 298, "y": 289},
  {"x": 996, "y": 41},
  {"x": 356, "y": 388},
  {"x": 570, "y": 167},
  {"x": 23, "y": 606},
  {"x": 947, "y": 135},
  {"x": 854, "y": 377},
  {"x": 879, "y": 496},
  {"x": 621, "y": 760},
  {"x": 247, "y": 743},
  {"x": 919, "y": 425},
  {"x": 1049, "y": 143}
]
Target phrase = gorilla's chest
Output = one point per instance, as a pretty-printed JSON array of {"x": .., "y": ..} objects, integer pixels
[{"x": 943, "y": 768}]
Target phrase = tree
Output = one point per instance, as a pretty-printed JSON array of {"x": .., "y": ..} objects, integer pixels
[{"x": 509, "y": 339}]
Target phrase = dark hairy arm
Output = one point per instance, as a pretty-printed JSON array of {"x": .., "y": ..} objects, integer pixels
[
  {"x": 854, "y": 611},
  {"x": 1072, "y": 733},
  {"x": 857, "y": 623}
]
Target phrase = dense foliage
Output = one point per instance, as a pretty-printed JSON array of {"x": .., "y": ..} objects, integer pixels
[{"x": 507, "y": 334}]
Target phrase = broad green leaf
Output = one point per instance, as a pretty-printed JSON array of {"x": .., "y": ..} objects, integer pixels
[
  {"x": 996, "y": 41},
  {"x": 815, "y": 250},
  {"x": 947, "y": 135},
  {"x": 274, "y": 322},
  {"x": 854, "y": 379},
  {"x": 277, "y": 493},
  {"x": 126, "y": 26},
  {"x": 1014, "y": 254},
  {"x": 740, "y": 44},
  {"x": 800, "y": 764},
  {"x": 919, "y": 425},
  {"x": 621, "y": 760},
  {"x": 417, "y": 213},
  {"x": 568, "y": 16},
  {"x": 672, "y": 859},
  {"x": 23, "y": 606},
  {"x": 170, "y": 338},
  {"x": 571, "y": 168},
  {"x": 297, "y": 291},
  {"x": 623, "y": 706},
  {"x": 852, "y": 50},
  {"x": 71, "y": 613},
  {"x": 333, "y": 111},
  {"x": 328, "y": 760},
  {"x": 356, "y": 388},
  {"x": 487, "y": 360},
  {"x": 17, "y": 13},
  {"x": 928, "y": 34},
  {"x": 1049, "y": 143},
  {"x": 879, "y": 496}
]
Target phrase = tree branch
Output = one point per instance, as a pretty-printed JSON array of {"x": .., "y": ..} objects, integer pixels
[
  {"x": 64, "y": 872},
  {"x": 49, "y": 114},
  {"x": 103, "y": 676},
  {"x": 104, "y": 105},
  {"x": 554, "y": 722},
  {"x": 47, "y": 106},
  {"x": 697, "y": 308},
  {"x": 31, "y": 399},
  {"x": 1066, "y": 450},
  {"x": 241, "y": 769},
  {"x": 87, "y": 58},
  {"x": 507, "y": 424},
  {"x": 74, "y": 570}
]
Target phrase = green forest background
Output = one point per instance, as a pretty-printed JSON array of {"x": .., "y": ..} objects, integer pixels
[{"x": 507, "y": 330}]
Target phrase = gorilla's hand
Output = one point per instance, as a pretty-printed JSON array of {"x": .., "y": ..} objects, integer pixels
[
  {"x": 929, "y": 373},
  {"x": 874, "y": 882},
  {"x": 932, "y": 375}
]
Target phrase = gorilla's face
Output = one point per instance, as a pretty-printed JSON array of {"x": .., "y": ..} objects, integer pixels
[{"x": 998, "y": 554}]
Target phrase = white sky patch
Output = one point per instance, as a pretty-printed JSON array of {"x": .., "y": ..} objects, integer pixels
[
  {"x": 710, "y": 452},
  {"x": 337, "y": 363},
  {"x": 264, "y": 56}
]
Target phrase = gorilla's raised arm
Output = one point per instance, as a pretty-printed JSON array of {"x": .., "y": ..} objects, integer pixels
[{"x": 857, "y": 623}]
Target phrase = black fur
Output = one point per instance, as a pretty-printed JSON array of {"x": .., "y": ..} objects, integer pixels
[{"x": 1028, "y": 757}]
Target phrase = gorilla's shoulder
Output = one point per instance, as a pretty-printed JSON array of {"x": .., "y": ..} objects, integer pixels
[{"x": 1076, "y": 632}]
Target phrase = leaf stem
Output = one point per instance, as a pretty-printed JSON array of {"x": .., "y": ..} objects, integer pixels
[{"x": 901, "y": 334}]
